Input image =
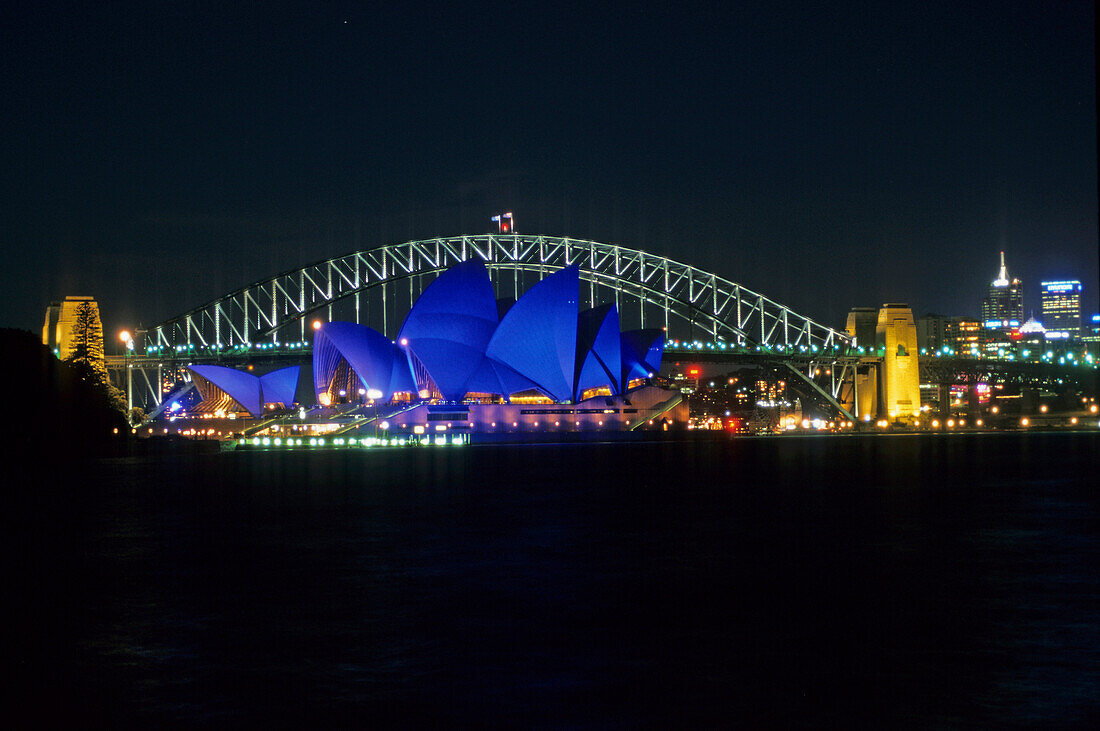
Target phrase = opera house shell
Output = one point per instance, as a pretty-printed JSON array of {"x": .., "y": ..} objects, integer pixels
[
  {"x": 455, "y": 346},
  {"x": 231, "y": 390}
]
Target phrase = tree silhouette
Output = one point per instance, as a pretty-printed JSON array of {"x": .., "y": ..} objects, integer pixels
[
  {"x": 86, "y": 339},
  {"x": 86, "y": 353}
]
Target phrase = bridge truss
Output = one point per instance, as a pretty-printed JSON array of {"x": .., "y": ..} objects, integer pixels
[{"x": 272, "y": 309}]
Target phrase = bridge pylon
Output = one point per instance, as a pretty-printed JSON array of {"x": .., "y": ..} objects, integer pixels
[{"x": 886, "y": 382}]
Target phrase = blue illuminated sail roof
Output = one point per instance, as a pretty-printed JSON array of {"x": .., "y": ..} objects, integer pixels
[
  {"x": 450, "y": 324},
  {"x": 279, "y": 387},
  {"x": 642, "y": 351},
  {"x": 251, "y": 392},
  {"x": 402, "y": 380},
  {"x": 537, "y": 338},
  {"x": 656, "y": 351},
  {"x": 242, "y": 387},
  {"x": 598, "y": 350},
  {"x": 368, "y": 352},
  {"x": 497, "y": 378}
]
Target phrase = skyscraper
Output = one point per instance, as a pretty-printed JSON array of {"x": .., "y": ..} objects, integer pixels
[
  {"x": 1003, "y": 307},
  {"x": 1062, "y": 306}
]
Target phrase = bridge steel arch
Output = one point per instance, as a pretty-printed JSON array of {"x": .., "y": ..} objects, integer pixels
[{"x": 725, "y": 310}]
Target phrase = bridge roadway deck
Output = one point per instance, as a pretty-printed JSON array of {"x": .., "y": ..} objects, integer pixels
[
  {"x": 238, "y": 359},
  {"x": 933, "y": 368}
]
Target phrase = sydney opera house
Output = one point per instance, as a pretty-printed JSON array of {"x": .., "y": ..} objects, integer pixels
[{"x": 465, "y": 361}]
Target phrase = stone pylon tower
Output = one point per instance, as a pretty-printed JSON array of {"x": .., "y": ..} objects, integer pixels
[
  {"x": 861, "y": 325},
  {"x": 896, "y": 335},
  {"x": 887, "y": 378}
]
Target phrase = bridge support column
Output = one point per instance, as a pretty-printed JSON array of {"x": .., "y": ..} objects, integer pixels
[
  {"x": 853, "y": 403},
  {"x": 821, "y": 393},
  {"x": 973, "y": 407},
  {"x": 945, "y": 400},
  {"x": 866, "y": 387}
]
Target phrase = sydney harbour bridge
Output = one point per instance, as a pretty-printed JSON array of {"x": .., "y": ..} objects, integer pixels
[{"x": 270, "y": 321}]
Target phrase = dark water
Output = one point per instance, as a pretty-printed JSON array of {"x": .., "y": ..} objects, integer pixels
[{"x": 907, "y": 581}]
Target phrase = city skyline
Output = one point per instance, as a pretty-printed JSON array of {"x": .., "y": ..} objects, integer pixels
[
  {"x": 827, "y": 158},
  {"x": 1032, "y": 302}
]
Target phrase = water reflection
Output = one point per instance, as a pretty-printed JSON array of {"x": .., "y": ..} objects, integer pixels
[{"x": 912, "y": 581}]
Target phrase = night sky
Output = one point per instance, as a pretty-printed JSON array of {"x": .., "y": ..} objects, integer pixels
[{"x": 826, "y": 155}]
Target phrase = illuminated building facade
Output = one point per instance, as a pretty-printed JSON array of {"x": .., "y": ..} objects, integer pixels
[
  {"x": 1032, "y": 332},
  {"x": 1061, "y": 302},
  {"x": 1092, "y": 332},
  {"x": 57, "y": 330},
  {"x": 1003, "y": 306},
  {"x": 958, "y": 335},
  {"x": 964, "y": 335},
  {"x": 768, "y": 389}
]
